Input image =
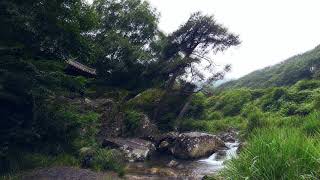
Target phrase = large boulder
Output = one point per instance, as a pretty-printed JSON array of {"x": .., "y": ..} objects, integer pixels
[
  {"x": 195, "y": 145},
  {"x": 135, "y": 149}
]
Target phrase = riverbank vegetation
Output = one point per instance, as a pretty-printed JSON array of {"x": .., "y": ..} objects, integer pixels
[{"x": 280, "y": 126}]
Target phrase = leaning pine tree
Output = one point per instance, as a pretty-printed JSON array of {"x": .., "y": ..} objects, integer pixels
[{"x": 187, "y": 53}]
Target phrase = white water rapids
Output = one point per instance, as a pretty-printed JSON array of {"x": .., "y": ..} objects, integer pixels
[{"x": 218, "y": 162}]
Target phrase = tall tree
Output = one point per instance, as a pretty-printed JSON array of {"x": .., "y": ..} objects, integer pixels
[
  {"x": 51, "y": 28},
  {"x": 127, "y": 29},
  {"x": 188, "y": 49}
]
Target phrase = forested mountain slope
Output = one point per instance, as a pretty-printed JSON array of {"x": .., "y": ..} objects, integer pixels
[{"x": 288, "y": 72}]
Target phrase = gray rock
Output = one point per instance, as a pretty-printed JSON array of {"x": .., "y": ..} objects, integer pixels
[
  {"x": 135, "y": 149},
  {"x": 220, "y": 155},
  {"x": 228, "y": 136},
  {"x": 173, "y": 163},
  {"x": 163, "y": 145},
  {"x": 170, "y": 137},
  {"x": 195, "y": 145}
]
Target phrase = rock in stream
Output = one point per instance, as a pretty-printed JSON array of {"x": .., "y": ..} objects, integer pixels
[
  {"x": 193, "y": 145},
  {"x": 135, "y": 149}
]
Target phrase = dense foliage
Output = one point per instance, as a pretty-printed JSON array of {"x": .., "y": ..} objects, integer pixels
[
  {"x": 38, "y": 117},
  {"x": 138, "y": 68}
]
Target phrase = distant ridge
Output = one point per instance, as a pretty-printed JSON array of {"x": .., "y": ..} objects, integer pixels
[{"x": 285, "y": 73}]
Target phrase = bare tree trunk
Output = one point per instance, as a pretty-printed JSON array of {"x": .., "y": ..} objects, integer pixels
[
  {"x": 185, "y": 107},
  {"x": 183, "y": 111},
  {"x": 168, "y": 89}
]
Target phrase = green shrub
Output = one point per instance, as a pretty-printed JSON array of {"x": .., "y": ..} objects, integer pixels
[
  {"x": 90, "y": 126},
  {"x": 231, "y": 102},
  {"x": 211, "y": 101},
  {"x": 214, "y": 115},
  {"x": 132, "y": 120},
  {"x": 59, "y": 82},
  {"x": 257, "y": 93},
  {"x": 304, "y": 109},
  {"x": 274, "y": 154},
  {"x": 214, "y": 126},
  {"x": 273, "y": 100},
  {"x": 316, "y": 102},
  {"x": 248, "y": 109},
  {"x": 75, "y": 84},
  {"x": 105, "y": 159},
  {"x": 191, "y": 125},
  {"x": 256, "y": 120},
  {"x": 307, "y": 84},
  {"x": 289, "y": 109},
  {"x": 311, "y": 125},
  {"x": 145, "y": 101},
  {"x": 197, "y": 106},
  {"x": 300, "y": 96}
]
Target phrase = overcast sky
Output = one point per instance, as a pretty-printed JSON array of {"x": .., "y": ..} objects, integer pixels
[{"x": 270, "y": 30}]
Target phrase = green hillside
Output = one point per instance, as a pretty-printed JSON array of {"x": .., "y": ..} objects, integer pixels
[{"x": 288, "y": 72}]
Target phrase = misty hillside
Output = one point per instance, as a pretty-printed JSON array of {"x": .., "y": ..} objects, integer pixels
[{"x": 288, "y": 72}]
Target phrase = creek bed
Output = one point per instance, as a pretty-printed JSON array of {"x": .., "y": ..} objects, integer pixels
[{"x": 162, "y": 166}]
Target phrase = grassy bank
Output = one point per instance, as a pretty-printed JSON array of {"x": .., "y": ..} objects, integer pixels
[{"x": 279, "y": 125}]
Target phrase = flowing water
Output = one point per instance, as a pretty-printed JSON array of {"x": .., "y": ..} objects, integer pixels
[{"x": 158, "y": 166}]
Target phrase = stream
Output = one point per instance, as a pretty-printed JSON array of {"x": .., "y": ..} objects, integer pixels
[{"x": 167, "y": 167}]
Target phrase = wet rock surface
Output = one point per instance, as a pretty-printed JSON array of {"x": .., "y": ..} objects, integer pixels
[
  {"x": 195, "y": 145},
  {"x": 229, "y": 136},
  {"x": 135, "y": 149},
  {"x": 164, "y": 165},
  {"x": 190, "y": 145}
]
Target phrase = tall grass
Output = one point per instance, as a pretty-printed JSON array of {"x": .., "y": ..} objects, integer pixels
[
  {"x": 311, "y": 124},
  {"x": 105, "y": 159},
  {"x": 214, "y": 126},
  {"x": 273, "y": 154}
]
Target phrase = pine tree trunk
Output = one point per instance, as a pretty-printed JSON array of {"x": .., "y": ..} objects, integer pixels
[
  {"x": 184, "y": 110},
  {"x": 185, "y": 107}
]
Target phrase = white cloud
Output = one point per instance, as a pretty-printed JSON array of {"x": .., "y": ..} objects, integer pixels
[{"x": 270, "y": 30}]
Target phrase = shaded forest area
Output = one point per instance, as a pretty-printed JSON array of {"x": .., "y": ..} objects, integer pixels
[{"x": 40, "y": 123}]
